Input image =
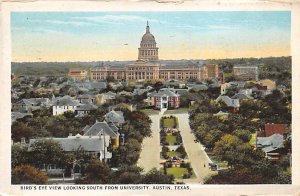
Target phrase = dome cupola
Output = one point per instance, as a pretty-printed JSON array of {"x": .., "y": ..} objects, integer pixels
[{"x": 148, "y": 49}]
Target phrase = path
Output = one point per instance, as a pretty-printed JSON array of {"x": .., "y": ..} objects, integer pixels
[
  {"x": 150, "y": 154},
  {"x": 195, "y": 151}
]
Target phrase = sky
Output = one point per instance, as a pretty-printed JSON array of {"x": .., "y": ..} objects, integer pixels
[{"x": 102, "y": 36}]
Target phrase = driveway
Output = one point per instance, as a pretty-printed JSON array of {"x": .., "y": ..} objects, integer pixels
[
  {"x": 150, "y": 154},
  {"x": 197, "y": 155}
]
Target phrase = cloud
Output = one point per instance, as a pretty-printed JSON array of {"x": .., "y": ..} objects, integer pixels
[
  {"x": 63, "y": 22},
  {"x": 116, "y": 19},
  {"x": 36, "y": 30}
]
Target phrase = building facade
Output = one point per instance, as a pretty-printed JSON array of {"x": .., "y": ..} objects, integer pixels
[
  {"x": 77, "y": 73},
  {"x": 148, "y": 49},
  {"x": 246, "y": 72},
  {"x": 148, "y": 68},
  {"x": 166, "y": 99}
]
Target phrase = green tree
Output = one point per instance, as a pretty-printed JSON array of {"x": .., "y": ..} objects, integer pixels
[
  {"x": 20, "y": 130},
  {"x": 96, "y": 172},
  {"x": 129, "y": 152},
  {"x": 156, "y": 177},
  {"x": 26, "y": 174},
  {"x": 127, "y": 174},
  {"x": 46, "y": 151},
  {"x": 243, "y": 134},
  {"x": 232, "y": 149},
  {"x": 19, "y": 155}
]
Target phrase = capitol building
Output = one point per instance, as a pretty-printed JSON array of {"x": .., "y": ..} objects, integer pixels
[{"x": 147, "y": 67}]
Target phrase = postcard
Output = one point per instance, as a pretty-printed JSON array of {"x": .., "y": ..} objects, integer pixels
[{"x": 150, "y": 98}]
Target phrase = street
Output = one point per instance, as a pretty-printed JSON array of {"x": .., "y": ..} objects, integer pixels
[{"x": 150, "y": 154}]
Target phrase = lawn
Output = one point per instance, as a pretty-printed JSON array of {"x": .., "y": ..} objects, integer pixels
[
  {"x": 169, "y": 122},
  {"x": 177, "y": 172},
  {"x": 171, "y": 139},
  {"x": 172, "y": 153},
  {"x": 177, "y": 111},
  {"x": 253, "y": 139},
  {"x": 150, "y": 111}
]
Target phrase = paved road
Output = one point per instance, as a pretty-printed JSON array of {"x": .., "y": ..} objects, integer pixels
[
  {"x": 195, "y": 151},
  {"x": 150, "y": 154}
]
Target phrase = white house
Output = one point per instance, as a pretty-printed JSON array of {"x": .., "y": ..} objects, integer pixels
[{"x": 63, "y": 104}]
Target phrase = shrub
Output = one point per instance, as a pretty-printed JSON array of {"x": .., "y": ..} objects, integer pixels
[
  {"x": 169, "y": 165},
  {"x": 183, "y": 165},
  {"x": 185, "y": 176},
  {"x": 164, "y": 155},
  {"x": 165, "y": 149},
  {"x": 26, "y": 174}
]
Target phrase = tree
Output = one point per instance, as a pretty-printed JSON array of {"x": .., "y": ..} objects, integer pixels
[
  {"x": 46, "y": 152},
  {"x": 20, "y": 130},
  {"x": 26, "y": 174},
  {"x": 156, "y": 177},
  {"x": 19, "y": 155},
  {"x": 232, "y": 149},
  {"x": 243, "y": 134},
  {"x": 127, "y": 175},
  {"x": 96, "y": 172},
  {"x": 129, "y": 152}
]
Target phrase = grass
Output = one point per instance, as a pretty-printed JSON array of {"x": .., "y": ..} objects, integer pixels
[
  {"x": 172, "y": 153},
  {"x": 177, "y": 111},
  {"x": 253, "y": 139},
  {"x": 178, "y": 172},
  {"x": 171, "y": 139},
  {"x": 169, "y": 122},
  {"x": 149, "y": 111}
]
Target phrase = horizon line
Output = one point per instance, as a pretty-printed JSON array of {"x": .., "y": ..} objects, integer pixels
[{"x": 136, "y": 60}]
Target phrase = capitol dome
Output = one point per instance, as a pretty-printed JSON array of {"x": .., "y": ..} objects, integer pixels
[
  {"x": 148, "y": 37},
  {"x": 148, "y": 49}
]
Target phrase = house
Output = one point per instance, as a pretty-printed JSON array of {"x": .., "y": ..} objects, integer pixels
[
  {"x": 177, "y": 83},
  {"x": 84, "y": 109},
  {"x": 115, "y": 117},
  {"x": 140, "y": 91},
  {"x": 271, "y": 84},
  {"x": 281, "y": 88},
  {"x": 200, "y": 87},
  {"x": 247, "y": 91},
  {"x": 271, "y": 145},
  {"x": 150, "y": 98},
  {"x": 18, "y": 115},
  {"x": 86, "y": 98},
  {"x": 115, "y": 85},
  {"x": 109, "y": 95},
  {"x": 103, "y": 128},
  {"x": 90, "y": 86},
  {"x": 271, "y": 129},
  {"x": 123, "y": 106},
  {"x": 77, "y": 73},
  {"x": 165, "y": 98},
  {"x": 43, "y": 91},
  {"x": 241, "y": 96},
  {"x": 231, "y": 103},
  {"x": 224, "y": 88},
  {"x": 125, "y": 93},
  {"x": 246, "y": 72},
  {"x": 231, "y": 86},
  {"x": 221, "y": 115},
  {"x": 63, "y": 104},
  {"x": 92, "y": 145},
  {"x": 28, "y": 105},
  {"x": 103, "y": 98},
  {"x": 263, "y": 90}
]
